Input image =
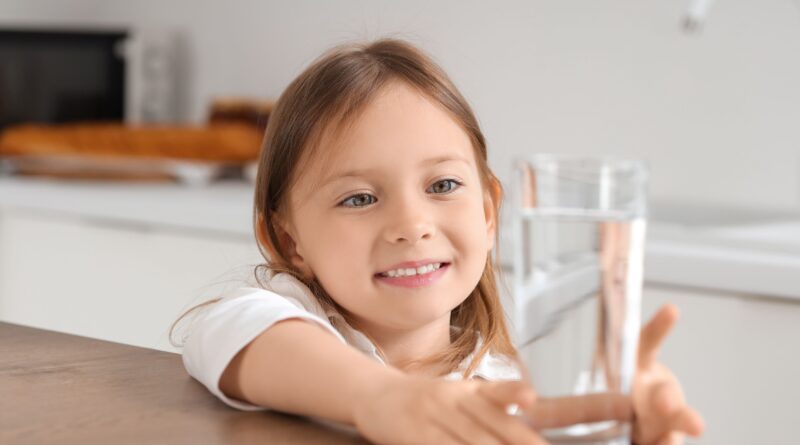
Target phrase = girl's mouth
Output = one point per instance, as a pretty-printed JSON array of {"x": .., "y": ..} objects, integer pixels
[{"x": 413, "y": 277}]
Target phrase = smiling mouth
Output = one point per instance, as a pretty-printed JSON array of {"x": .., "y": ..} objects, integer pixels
[
  {"x": 412, "y": 271},
  {"x": 414, "y": 277}
]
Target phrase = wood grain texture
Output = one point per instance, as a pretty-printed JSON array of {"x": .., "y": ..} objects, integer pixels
[{"x": 60, "y": 388}]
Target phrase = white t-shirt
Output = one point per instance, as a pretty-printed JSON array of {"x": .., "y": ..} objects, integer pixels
[{"x": 218, "y": 332}]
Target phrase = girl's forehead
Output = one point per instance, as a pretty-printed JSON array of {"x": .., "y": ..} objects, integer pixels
[{"x": 399, "y": 127}]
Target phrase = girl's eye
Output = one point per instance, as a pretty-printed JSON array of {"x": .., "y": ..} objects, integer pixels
[
  {"x": 444, "y": 186},
  {"x": 364, "y": 199},
  {"x": 359, "y": 200}
]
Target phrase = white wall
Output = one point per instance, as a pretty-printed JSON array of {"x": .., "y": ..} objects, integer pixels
[{"x": 716, "y": 113}]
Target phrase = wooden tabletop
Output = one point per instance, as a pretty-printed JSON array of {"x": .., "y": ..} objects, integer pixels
[{"x": 60, "y": 388}]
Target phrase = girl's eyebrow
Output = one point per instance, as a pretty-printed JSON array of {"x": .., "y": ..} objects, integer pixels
[{"x": 356, "y": 173}]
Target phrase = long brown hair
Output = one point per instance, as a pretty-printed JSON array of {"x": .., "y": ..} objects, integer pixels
[{"x": 326, "y": 97}]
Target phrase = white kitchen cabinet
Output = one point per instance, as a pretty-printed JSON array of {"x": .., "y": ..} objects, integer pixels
[{"x": 124, "y": 282}]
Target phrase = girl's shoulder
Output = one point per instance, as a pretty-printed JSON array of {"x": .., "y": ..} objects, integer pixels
[
  {"x": 283, "y": 285},
  {"x": 288, "y": 289},
  {"x": 278, "y": 290}
]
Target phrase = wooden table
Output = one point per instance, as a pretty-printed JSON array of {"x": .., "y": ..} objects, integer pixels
[{"x": 65, "y": 389}]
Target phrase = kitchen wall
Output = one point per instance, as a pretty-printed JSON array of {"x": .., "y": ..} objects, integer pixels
[{"x": 716, "y": 113}]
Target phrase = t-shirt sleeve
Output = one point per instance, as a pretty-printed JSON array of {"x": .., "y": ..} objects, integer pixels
[{"x": 218, "y": 332}]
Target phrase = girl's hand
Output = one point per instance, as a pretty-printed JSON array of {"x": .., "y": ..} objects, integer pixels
[
  {"x": 420, "y": 410},
  {"x": 661, "y": 413},
  {"x": 657, "y": 406}
]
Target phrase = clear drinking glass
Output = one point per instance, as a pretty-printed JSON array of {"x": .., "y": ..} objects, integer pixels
[{"x": 579, "y": 234}]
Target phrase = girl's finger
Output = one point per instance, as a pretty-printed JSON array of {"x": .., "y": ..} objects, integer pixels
[
  {"x": 503, "y": 394},
  {"x": 660, "y": 406},
  {"x": 565, "y": 411},
  {"x": 667, "y": 398},
  {"x": 510, "y": 429},
  {"x": 654, "y": 333},
  {"x": 670, "y": 413},
  {"x": 688, "y": 421}
]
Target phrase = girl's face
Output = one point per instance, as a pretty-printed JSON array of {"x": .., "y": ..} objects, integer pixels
[{"x": 400, "y": 192}]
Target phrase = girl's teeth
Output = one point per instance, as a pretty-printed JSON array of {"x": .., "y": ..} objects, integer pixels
[{"x": 412, "y": 271}]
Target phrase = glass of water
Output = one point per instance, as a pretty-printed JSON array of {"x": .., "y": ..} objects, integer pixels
[{"x": 579, "y": 234}]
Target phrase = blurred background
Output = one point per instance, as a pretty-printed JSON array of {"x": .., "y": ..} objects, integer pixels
[{"x": 129, "y": 131}]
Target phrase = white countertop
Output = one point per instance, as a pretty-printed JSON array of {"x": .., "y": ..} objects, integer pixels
[
  {"x": 743, "y": 251},
  {"x": 223, "y": 208},
  {"x": 726, "y": 261},
  {"x": 733, "y": 250}
]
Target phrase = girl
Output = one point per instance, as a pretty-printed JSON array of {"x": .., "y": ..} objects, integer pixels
[{"x": 376, "y": 212}]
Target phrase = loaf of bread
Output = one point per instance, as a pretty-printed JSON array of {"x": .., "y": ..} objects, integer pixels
[{"x": 225, "y": 142}]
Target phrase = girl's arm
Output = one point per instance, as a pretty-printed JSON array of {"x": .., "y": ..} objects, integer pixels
[{"x": 297, "y": 367}]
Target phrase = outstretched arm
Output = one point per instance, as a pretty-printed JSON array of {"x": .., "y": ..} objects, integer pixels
[{"x": 297, "y": 367}]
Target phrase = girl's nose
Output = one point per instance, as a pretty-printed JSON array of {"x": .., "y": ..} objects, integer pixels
[
  {"x": 409, "y": 225},
  {"x": 411, "y": 233}
]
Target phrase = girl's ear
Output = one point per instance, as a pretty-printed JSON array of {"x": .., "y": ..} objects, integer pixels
[
  {"x": 491, "y": 206},
  {"x": 284, "y": 231}
]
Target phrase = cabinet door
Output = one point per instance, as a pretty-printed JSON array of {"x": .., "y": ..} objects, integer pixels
[
  {"x": 117, "y": 282},
  {"x": 738, "y": 360}
]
